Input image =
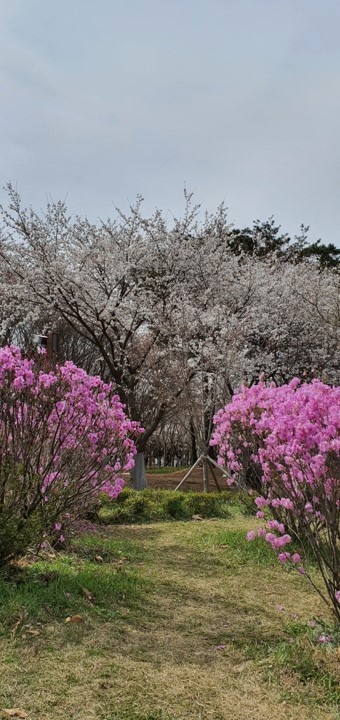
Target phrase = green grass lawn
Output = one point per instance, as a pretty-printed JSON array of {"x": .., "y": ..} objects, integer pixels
[{"x": 165, "y": 621}]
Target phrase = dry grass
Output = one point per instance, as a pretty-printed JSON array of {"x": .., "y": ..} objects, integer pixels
[{"x": 159, "y": 659}]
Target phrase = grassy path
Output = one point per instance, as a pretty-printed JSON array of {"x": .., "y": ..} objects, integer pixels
[{"x": 168, "y": 621}]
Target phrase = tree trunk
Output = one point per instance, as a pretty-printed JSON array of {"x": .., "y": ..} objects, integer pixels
[
  {"x": 205, "y": 476},
  {"x": 138, "y": 472},
  {"x": 193, "y": 446}
]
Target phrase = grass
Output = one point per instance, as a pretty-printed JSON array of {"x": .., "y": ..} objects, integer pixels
[
  {"x": 175, "y": 620},
  {"x": 98, "y": 566}
]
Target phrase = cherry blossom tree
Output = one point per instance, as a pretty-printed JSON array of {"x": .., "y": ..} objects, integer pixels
[
  {"x": 170, "y": 312},
  {"x": 111, "y": 283},
  {"x": 240, "y": 317},
  {"x": 286, "y": 334}
]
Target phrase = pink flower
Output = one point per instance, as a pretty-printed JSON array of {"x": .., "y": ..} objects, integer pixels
[
  {"x": 325, "y": 639},
  {"x": 275, "y": 525},
  {"x": 261, "y": 502},
  {"x": 251, "y": 535},
  {"x": 83, "y": 440},
  {"x": 280, "y": 542},
  {"x": 292, "y": 433},
  {"x": 287, "y": 504},
  {"x": 283, "y": 557},
  {"x": 19, "y": 383}
]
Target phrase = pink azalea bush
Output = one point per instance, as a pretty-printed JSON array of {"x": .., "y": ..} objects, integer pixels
[
  {"x": 291, "y": 434},
  {"x": 64, "y": 438}
]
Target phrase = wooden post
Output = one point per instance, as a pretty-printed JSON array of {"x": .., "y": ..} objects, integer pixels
[
  {"x": 219, "y": 467},
  {"x": 189, "y": 472},
  {"x": 205, "y": 474},
  {"x": 214, "y": 475},
  {"x": 52, "y": 346},
  {"x": 207, "y": 462}
]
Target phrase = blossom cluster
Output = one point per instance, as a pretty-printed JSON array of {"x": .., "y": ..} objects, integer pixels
[
  {"x": 64, "y": 437},
  {"x": 292, "y": 434}
]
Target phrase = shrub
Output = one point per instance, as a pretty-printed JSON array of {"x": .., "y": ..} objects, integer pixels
[
  {"x": 152, "y": 505},
  {"x": 63, "y": 438},
  {"x": 293, "y": 434}
]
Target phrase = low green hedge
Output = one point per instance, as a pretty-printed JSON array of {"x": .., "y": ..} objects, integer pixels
[{"x": 151, "y": 505}]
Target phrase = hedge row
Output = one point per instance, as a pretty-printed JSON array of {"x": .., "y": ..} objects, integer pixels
[{"x": 151, "y": 505}]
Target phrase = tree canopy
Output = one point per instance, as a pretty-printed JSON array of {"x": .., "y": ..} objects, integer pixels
[{"x": 177, "y": 314}]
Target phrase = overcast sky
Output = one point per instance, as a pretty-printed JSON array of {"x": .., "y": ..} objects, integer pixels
[{"x": 237, "y": 99}]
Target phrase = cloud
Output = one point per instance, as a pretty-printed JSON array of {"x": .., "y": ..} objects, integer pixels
[{"x": 237, "y": 98}]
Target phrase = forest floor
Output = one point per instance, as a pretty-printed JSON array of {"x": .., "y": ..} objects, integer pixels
[{"x": 166, "y": 621}]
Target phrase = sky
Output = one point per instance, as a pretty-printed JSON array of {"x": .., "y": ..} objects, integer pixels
[{"x": 236, "y": 100}]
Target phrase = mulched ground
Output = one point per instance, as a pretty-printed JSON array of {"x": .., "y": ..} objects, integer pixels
[{"x": 168, "y": 481}]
